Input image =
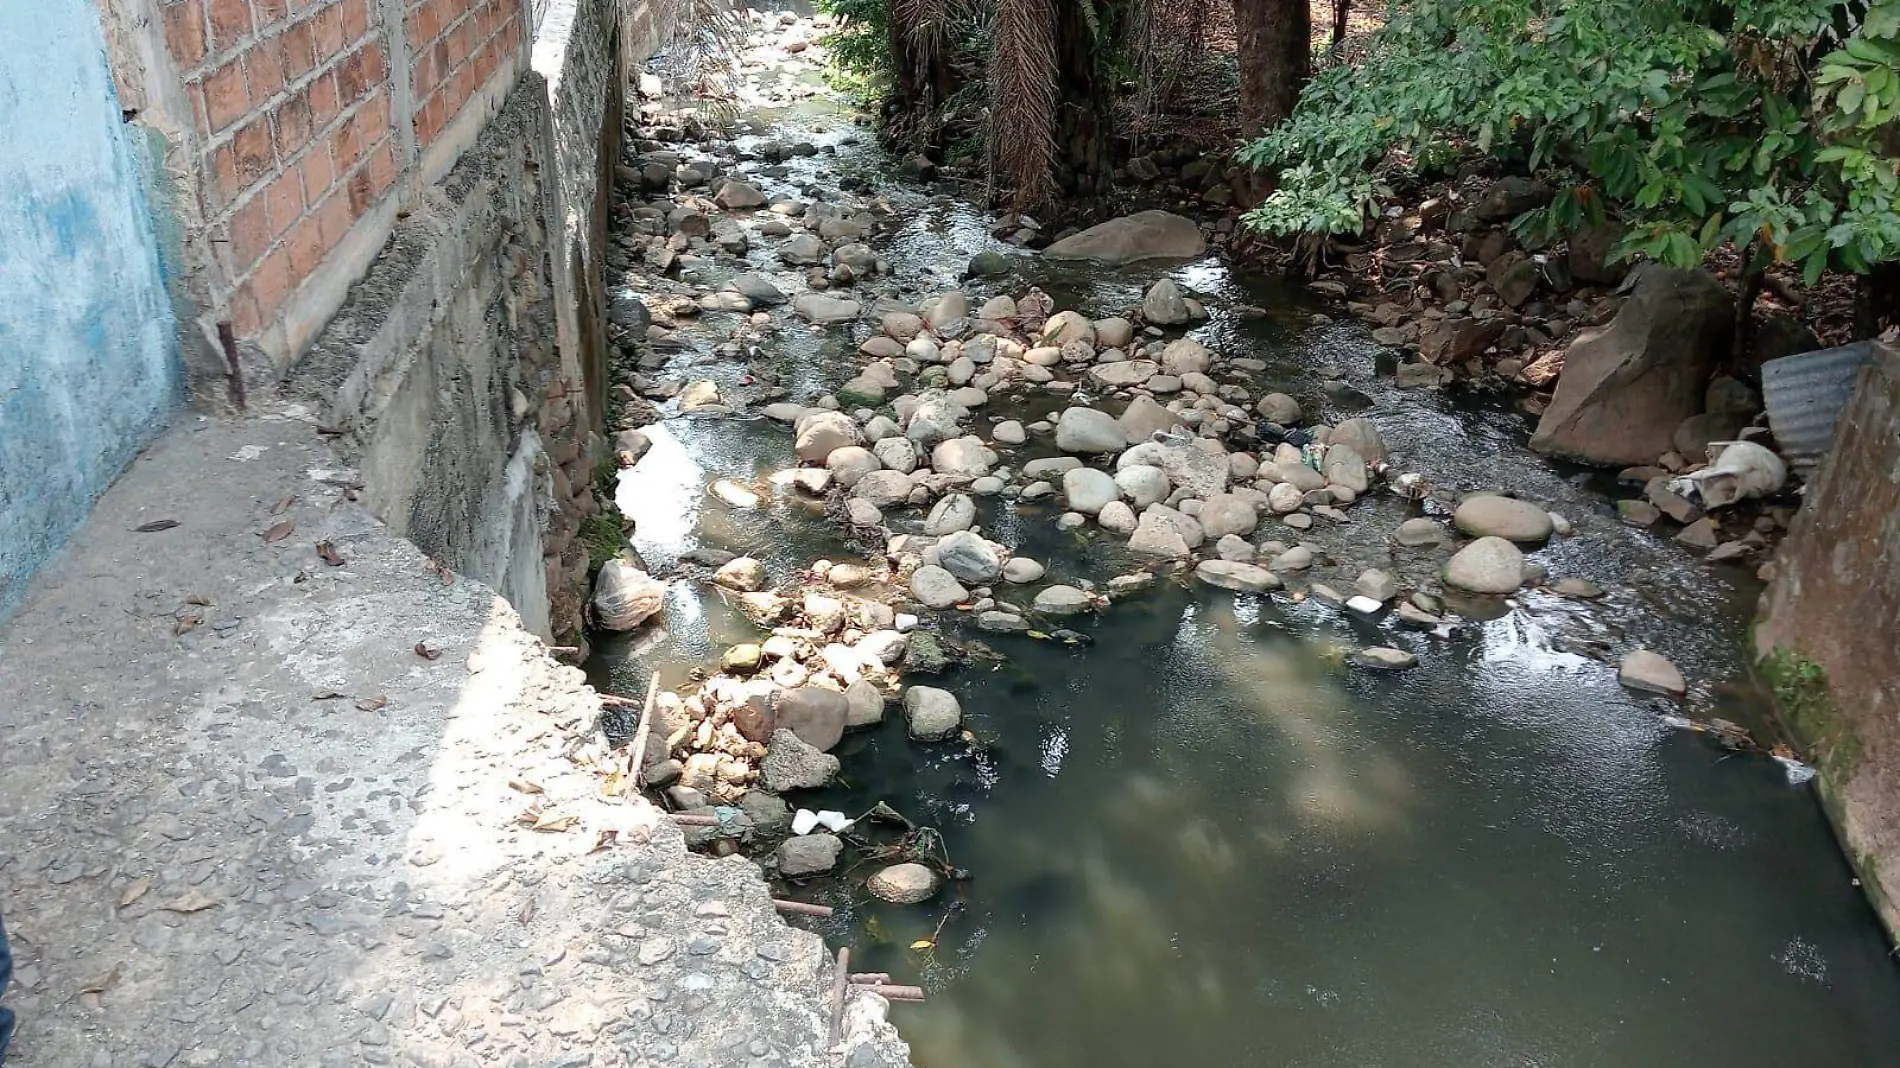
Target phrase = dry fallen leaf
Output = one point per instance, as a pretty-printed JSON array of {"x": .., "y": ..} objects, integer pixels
[
  {"x": 526, "y": 912},
  {"x": 283, "y": 506},
  {"x": 134, "y": 892},
  {"x": 426, "y": 653},
  {"x": 923, "y": 943},
  {"x": 605, "y": 840},
  {"x": 192, "y": 901},
  {"x": 279, "y": 531},
  {"x": 198, "y": 599},
  {"x": 525, "y": 786},
  {"x": 155, "y": 526},
  {"x": 330, "y": 556},
  {"x": 328, "y": 695},
  {"x": 371, "y": 704},
  {"x": 186, "y": 622}
]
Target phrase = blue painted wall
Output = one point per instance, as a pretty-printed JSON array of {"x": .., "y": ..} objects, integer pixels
[{"x": 89, "y": 362}]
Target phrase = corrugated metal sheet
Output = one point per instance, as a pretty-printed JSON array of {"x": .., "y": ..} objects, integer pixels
[{"x": 1804, "y": 395}]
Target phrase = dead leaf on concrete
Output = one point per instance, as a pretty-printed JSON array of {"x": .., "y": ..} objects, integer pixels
[
  {"x": 186, "y": 621},
  {"x": 525, "y": 913},
  {"x": 283, "y": 505},
  {"x": 426, "y": 653},
  {"x": 199, "y": 599},
  {"x": 328, "y": 695},
  {"x": 155, "y": 526},
  {"x": 133, "y": 892},
  {"x": 327, "y": 550},
  {"x": 279, "y": 531},
  {"x": 371, "y": 704},
  {"x": 525, "y": 786},
  {"x": 99, "y": 985},
  {"x": 553, "y": 822},
  {"x": 605, "y": 840},
  {"x": 192, "y": 901}
]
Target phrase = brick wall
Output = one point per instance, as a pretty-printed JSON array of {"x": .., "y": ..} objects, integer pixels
[
  {"x": 458, "y": 45},
  {"x": 307, "y": 117}
]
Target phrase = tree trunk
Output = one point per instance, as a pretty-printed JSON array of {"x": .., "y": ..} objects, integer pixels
[
  {"x": 924, "y": 76},
  {"x": 1342, "y": 13},
  {"x": 1085, "y": 163},
  {"x": 1276, "y": 58}
]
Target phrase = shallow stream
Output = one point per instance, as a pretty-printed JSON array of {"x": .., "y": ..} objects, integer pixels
[{"x": 1207, "y": 839}]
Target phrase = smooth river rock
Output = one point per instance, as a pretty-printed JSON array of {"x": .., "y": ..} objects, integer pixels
[
  {"x": 1488, "y": 565},
  {"x": 1491, "y": 515}
]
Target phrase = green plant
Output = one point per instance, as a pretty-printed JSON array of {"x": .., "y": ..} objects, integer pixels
[
  {"x": 602, "y": 535},
  {"x": 1806, "y": 707},
  {"x": 861, "y": 64},
  {"x": 1767, "y": 123}
]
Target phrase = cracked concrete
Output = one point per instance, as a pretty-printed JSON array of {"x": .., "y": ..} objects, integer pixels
[{"x": 260, "y": 809}]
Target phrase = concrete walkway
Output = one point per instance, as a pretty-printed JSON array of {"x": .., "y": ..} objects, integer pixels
[{"x": 260, "y": 808}]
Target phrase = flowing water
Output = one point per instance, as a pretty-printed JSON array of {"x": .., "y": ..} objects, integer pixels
[{"x": 1206, "y": 839}]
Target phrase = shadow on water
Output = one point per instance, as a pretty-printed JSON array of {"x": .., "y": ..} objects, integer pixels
[{"x": 1207, "y": 840}]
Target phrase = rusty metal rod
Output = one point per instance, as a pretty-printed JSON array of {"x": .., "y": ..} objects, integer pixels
[
  {"x": 694, "y": 819},
  {"x": 804, "y": 908},
  {"x": 840, "y": 978}
]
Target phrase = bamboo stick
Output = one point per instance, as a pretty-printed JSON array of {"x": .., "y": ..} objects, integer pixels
[
  {"x": 803, "y": 908},
  {"x": 840, "y": 978},
  {"x": 637, "y": 756}
]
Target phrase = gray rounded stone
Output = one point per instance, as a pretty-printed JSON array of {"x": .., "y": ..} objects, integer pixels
[{"x": 930, "y": 714}]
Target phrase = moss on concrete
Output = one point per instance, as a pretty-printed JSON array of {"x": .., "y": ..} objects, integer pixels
[{"x": 1805, "y": 705}]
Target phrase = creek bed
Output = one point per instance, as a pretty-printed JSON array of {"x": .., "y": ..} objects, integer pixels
[{"x": 1207, "y": 838}]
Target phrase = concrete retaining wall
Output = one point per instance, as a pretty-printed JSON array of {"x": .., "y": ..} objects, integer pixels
[
  {"x": 1829, "y": 634},
  {"x": 89, "y": 361}
]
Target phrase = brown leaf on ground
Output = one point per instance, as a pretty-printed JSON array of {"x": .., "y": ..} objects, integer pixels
[
  {"x": 328, "y": 695},
  {"x": 283, "y": 505},
  {"x": 426, "y": 653},
  {"x": 134, "y": 891},
  {"x": 327, "y": 550},
  {"x": 192, "y": 901},
  {"x": 99, "y": 985},
  {"x": 605, "y": 840},
  {"x": 371, "y": 704},
  {"x": 186, "y": 621},
  {"x": 279, "y": 531},
  {"x": 198, "y": 599},
  {"x": 525, "y": 913},
  {"x": 525, "y": 786},
  {"x": 155, "y": 526}
]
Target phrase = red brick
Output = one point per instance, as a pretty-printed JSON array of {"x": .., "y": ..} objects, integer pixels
[
  {"x": 295, "y": 48},
  {"x": 271, "y": 283},
  {"x": 382, "y": 169},
  {"x": 360, "y": 194},
  {"x": 250, "y": 233},
  {"x": 374, "y": 70},
  {"x": 324, "y": 103},
  {"x": 350, "y": 85},
  {"x": 226, "y": 96},
  {"x": 283, "y": 201},
  {"x": 334, "y": 218},
  {"x": 422, "y": 76},
  {"x": 293, "y": 124},
  {"x": 265, "y": 65},
  {"x": 270, "y": 12},
  {"x": 306, "y": 246},
  {"x": 230, "y": 22},
  {"x": 327, "y": 26},
  {"x": 252, "y": 146},
  {"x": 346, "y": 146},
  {"x": 375, "y": 118},
  {"x": 185, "y": 35},
  {"x": 319, "y": 172},
  {"x": 355, "y": 19},
  {"x": 226, "y": 182},
  {"x": 241, "y": 312}
]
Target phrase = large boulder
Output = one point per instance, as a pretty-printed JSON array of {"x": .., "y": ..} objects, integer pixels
[
  {"x": 815, "y": 714},
  {"x": 1145, "y": 235},
  {"x": 821, "y": 433},
  {"x": 1626, "y": 387},
  {"x": 625, "y": 596},
  {"x": 1489, "y": 515},
  {"x": 964, "y": 457},
  {"x": 1086, "y": 430},
  {"x": 1232, "y": 575},
  {"x": 822, "y": 310},
  {"x": 1201, "y": 473},
  {"x": 1488, "y": 565},
  {"x": 931, "y": 714},
  {"x": 903, "y": 884},
  {"x": 1229, "y": 513},
  {"x": 971, "y": 559},
  {"x": 792, "y": 764}
]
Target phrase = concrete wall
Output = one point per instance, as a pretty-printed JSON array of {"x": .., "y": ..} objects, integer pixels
[
  {"x": 89, "y": 361},
  {"x": 1829, "y": 633}
]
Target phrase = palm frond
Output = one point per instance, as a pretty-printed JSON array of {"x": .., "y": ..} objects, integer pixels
[{"x": 1023, "y": 99}]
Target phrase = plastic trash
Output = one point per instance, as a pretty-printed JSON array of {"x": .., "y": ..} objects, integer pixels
[
  {"x": 834, "y": 821},
  {"x": 803, "y": 821},
  {"x": 1798, "y": 772},
  {"x": 1737, "y": 471}
]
